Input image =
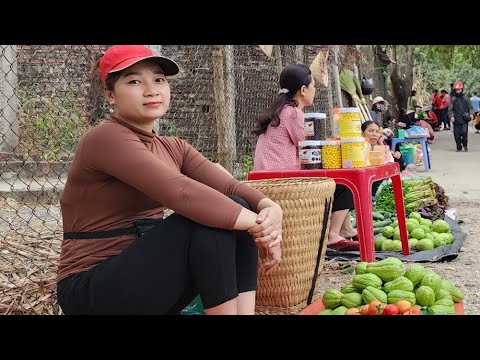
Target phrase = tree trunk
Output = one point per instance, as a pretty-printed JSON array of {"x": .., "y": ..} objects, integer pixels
[
  {"x": 299, "y": 54},
  {"x": 378, "y": 74},
  {"x": 401, "y": 80}
]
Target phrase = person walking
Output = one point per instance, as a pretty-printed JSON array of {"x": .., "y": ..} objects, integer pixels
[
  {"x": 444, "y": 113},
  {"x": 475, "y": 100},
  {"x": 460, "y": 113}
]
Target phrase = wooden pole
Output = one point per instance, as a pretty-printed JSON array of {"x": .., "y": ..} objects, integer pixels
[
  {"x": 219, "y": 93},
  {"x": 221, "y": 110},
  {"x": 278, "y": 58},
  {"x": 230, "y": 124},
  {"x": 9, "y": 127},
  {"x": 299, "y": 54},
  {"x": 336, "y": 75}
]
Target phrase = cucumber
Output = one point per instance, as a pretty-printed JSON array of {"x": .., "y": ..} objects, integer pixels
[
  {"x": 382, "y": 223},
  {"x": 387, "y": 215},
  {"x": 377, "y": 230},
  {"x": 378, "y": 216}
]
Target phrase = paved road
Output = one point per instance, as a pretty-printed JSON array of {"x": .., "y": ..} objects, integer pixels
[{"x": 458, "y": 173}]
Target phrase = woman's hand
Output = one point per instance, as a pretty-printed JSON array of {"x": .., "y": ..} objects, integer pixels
[
  {"x": 397, "y": 154},
  {"x": 269, "y": 226},
  {"x": 270, "y": 256}
]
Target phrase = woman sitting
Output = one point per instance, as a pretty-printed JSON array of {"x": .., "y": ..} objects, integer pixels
[
  {"x": 427, "y": 126},
  {"x": 371, "y": 133}
]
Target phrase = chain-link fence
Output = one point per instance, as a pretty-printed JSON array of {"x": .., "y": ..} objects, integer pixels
[{"x": 48, "y": 101}]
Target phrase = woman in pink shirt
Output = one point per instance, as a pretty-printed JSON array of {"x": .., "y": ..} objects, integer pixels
[
  {"x": 281, "y": 127},
  {"x": 426, "y": 125},
  {"x": 279, "y": 130}
]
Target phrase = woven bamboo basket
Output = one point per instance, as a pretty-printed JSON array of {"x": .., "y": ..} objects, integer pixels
[{"x": 306, "y": 204}]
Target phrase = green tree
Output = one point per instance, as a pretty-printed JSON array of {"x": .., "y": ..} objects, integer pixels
[
  {"x": 448, "y": 63},
  {"x": 441, "y": 64}
]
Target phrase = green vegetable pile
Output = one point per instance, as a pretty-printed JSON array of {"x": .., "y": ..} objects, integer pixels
[{"x": 416, "y": 194}]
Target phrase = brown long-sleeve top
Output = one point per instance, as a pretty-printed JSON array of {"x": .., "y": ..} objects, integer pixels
[{"x": 121, "y": 174}]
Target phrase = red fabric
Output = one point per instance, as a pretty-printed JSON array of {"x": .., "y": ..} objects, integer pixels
[{"x": 437, "y": 102}]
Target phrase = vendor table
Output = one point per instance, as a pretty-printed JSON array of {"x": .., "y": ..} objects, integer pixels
[{"x": 359, "y": 181}]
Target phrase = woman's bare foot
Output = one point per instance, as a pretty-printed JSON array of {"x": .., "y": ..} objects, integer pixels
[{"x": 347, "y": 230}]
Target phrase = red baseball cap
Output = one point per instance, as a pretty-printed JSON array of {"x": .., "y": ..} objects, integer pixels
[{"x": 120, "y": 57}]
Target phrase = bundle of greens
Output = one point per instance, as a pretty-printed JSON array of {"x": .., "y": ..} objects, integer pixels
[
  {"x": 417, "y": 193},
  {"x": 437, "y": 211}
]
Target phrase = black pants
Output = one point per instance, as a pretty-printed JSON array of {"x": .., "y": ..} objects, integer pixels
[
  {"x": 460, "y": 132},
  {"x": 342, "y": 198},
  {"x": 162, "y": 271}
]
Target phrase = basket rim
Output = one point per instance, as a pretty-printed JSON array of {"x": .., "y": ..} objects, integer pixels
[{"x": 292, "y": 179}]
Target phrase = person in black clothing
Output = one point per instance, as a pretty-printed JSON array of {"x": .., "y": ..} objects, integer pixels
[
  {"x": 404, "y": 118},
  {"x": 460, "y": 112}
]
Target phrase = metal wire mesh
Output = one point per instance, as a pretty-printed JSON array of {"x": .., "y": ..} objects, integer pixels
[{"x": 47, "y": 102}]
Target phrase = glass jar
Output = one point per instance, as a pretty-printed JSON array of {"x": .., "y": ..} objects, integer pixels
[
  {"x": 310, "y": 154},
  {"x": 331, "y": 154},
  {"x": 350, "y": 123},
  {"x": 315, "y": 126},
  {"x": 354, "y": 153}
]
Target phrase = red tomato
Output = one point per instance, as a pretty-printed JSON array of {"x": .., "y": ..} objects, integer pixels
[
  {"x": 391, "y": 309},
  {"x": 376, "y": 308},
  {"x": 415, "y": 311},
  {"x": 353, "y": 311},
  {"x": 364, "y": 310}
]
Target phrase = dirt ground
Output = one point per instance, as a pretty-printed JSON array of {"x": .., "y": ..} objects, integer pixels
[{"x": 458, "y": 174}]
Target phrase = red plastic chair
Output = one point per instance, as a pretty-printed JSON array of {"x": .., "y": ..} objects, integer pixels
[{"x": 359, "y": 181}]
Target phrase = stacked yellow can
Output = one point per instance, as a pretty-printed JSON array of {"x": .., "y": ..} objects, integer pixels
[
  {"x": 353, "y": 153},
  {"x": 350, "y": 123}
]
